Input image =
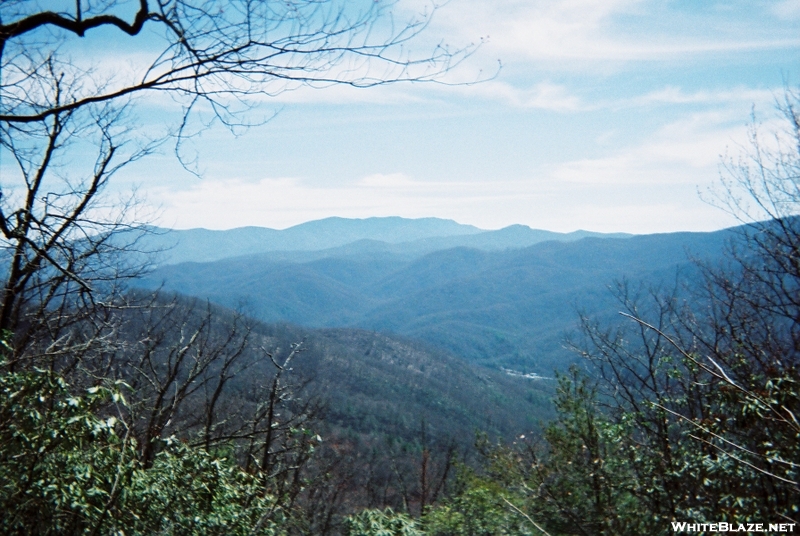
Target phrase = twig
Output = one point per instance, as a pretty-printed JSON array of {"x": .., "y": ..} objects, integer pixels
[{"x": 526, "y": 516}]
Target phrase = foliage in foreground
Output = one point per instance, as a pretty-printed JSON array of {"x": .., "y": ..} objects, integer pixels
[
  {"x": 69, "y": 467},
  {"x": 381, "y": 523},
  {"x": 690, "y": 409}
]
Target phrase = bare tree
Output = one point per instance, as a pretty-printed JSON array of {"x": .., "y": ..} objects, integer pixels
[
  {"x": 62, "y": 244},
  {"x": 69, "y": 124},
  {"x": 707, "y": 380},
  {"x": 762, "y": 189},
  {"x": 67, "y": 121},
  {"x": 208, "y": 51}
]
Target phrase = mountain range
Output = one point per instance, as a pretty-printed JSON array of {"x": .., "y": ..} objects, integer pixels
[
  {"x": 502, "y": 299},
  {"x": 409, "y": 237}
]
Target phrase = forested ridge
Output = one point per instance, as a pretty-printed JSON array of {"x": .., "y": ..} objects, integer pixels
[
  {"x": 505, "y": 308},
  {"x": 406, "y": 406}
]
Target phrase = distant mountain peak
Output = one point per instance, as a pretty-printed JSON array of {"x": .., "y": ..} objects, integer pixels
[{"x": 408, "y": 236}]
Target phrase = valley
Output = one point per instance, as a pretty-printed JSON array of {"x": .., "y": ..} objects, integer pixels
[{"x": 474, "y": 294}]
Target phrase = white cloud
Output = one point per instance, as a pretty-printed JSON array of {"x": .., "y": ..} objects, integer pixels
[
  {"x": 536, "y": 201},
  {"x": 676, "y": 95},
  {"x": 685, "y": 152},
  {"x": 590, "y": 30},
  {"x": 280, "y": 202},
  {"x": 541, "y": 30},
  {"x": 649, "y": 185},
  {"x": 544, "y": 95},
  {"x": 344, "y": 94},
  {"x": 787, "y": 9},
  {"x": 393, "y": 181}
]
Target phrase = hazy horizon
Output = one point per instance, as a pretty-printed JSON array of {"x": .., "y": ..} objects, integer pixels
[
  {"x": 734, "y": 224},
  {"x": 609, "y": 116}
]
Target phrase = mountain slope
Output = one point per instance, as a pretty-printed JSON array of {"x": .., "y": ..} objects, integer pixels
[
  {"x": 503, "y": 308},
  {"x": 370, "y": 384},
  {"x": 382, "y": 384},
  {"x": 203, "y": 245},
  {"x": 399, "y": 236}
]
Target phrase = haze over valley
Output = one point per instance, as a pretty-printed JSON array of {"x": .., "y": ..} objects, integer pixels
[{"x": 500, "y": 299}]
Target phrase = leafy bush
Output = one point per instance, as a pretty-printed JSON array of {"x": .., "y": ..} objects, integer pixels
[
  {"x": 69, "y": 467},
  {"x": 381, "y": 523}
]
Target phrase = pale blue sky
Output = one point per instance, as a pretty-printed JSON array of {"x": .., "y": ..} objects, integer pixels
[{"x": 607, "y": 115}]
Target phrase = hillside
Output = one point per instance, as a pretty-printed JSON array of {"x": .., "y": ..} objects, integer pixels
[
  {"x": 509, "y": 307},
  {"x": 386, "y": 386}
]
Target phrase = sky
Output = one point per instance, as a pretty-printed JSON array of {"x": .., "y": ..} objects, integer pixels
[{"x": 606, "y": 115}]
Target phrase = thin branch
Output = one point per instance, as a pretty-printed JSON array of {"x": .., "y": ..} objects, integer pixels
[
  {"x": 726, "y": 453},
  {"x": 526, "y": 516}
]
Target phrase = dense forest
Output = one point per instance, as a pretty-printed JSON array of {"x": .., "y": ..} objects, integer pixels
[
  {"x": 127, "y": 410},
  {"x": 502, "y": 308}
]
